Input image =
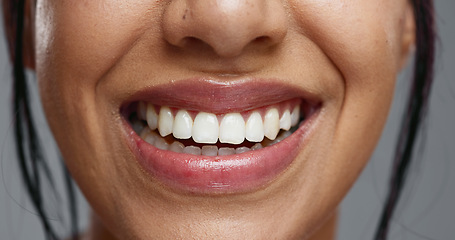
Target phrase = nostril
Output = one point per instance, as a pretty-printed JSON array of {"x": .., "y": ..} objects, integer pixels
[
  {"x": 195, "y": 44},
  {"x": 262, "y": 39},
  {"x": 192, "y": 41}
]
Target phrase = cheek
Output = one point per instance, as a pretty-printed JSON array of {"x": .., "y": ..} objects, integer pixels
[
  {"x": 85, "y": 38},
  {"x": 77, "y": 43},
  {"x": 362, "y": 39}
]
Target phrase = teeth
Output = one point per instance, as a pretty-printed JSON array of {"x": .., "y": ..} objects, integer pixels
[
  {"x": 192, "y": 150},
  {"x": 256, "y": 146},
  {"x": 151, "y": 117},
  {"x": 205, "y": 128},
  {"x": 232, "y": 129},
  {"x": 209, "y": 151},
  {"x": 242, "y": 150},
  {"x": 165, "y": 121},
  {"x": 282, "y": 136},
  {"x": 271, "y": 123},
  {"x": 295, "y": 115},
  {"x": 176, "y": 147},
  {"x": 285, "y": 120},
  {"x": 161, "y": 143},
  {"x": 183, "y": 125},
  {"x": 278, "y": 139},
  {"x": 254, "y": 128},
  {"x": 226, "y": 151},
  {"x": 149, "y": 136}
]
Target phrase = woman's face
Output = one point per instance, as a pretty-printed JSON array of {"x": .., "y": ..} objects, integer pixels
[{"x": 240, "y": 68}]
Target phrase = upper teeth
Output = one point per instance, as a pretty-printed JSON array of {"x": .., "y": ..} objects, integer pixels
[{"x": 206, "y": 127}]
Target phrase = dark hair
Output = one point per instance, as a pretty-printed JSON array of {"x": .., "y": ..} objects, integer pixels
[
  {"x": 34, "y": 167},
  {"x": 416, "y": 108}
]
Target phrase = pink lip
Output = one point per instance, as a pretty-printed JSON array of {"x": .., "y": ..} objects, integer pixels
[
  {"x": 222, "y": 96},
  {"x": 222, "y": 174}
]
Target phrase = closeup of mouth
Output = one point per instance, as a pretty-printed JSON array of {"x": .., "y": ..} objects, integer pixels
[{"x": 210, "y": 139}]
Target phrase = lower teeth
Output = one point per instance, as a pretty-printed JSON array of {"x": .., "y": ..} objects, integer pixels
[{"x": 174, "y": 145}]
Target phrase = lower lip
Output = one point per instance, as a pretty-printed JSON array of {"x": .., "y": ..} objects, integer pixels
[{"x": 236, "y": 173}]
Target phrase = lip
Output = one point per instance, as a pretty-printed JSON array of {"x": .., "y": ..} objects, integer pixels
[
  {"x": 236, "y": 173},
  {"x": 218, "y": 96}
]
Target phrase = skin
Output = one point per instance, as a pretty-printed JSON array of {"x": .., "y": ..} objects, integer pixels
[{"x": 90, "y": 56}]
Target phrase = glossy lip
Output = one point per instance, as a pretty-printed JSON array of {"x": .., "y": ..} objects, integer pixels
[
  {"x": 215, "y": 96},
  {"x": 221, "y": 174}
]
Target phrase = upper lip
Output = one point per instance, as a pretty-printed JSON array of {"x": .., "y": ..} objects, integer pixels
[{"x": 220, "y": 96}]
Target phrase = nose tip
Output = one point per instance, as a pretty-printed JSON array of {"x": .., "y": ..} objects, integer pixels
[{"x": 227, "y": 26}]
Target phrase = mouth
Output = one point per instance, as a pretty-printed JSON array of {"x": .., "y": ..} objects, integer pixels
[{"x": 208, "y": 140}]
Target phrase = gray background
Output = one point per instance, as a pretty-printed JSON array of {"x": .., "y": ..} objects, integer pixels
[{"x": 426, "y": 211}]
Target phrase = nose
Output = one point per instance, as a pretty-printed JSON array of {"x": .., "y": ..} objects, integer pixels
[{"x": 227, "y": 26}]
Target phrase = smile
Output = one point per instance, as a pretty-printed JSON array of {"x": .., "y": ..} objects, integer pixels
[
  {"x": 202, "y": 132},
  {"x": 227, "y": 145}
]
